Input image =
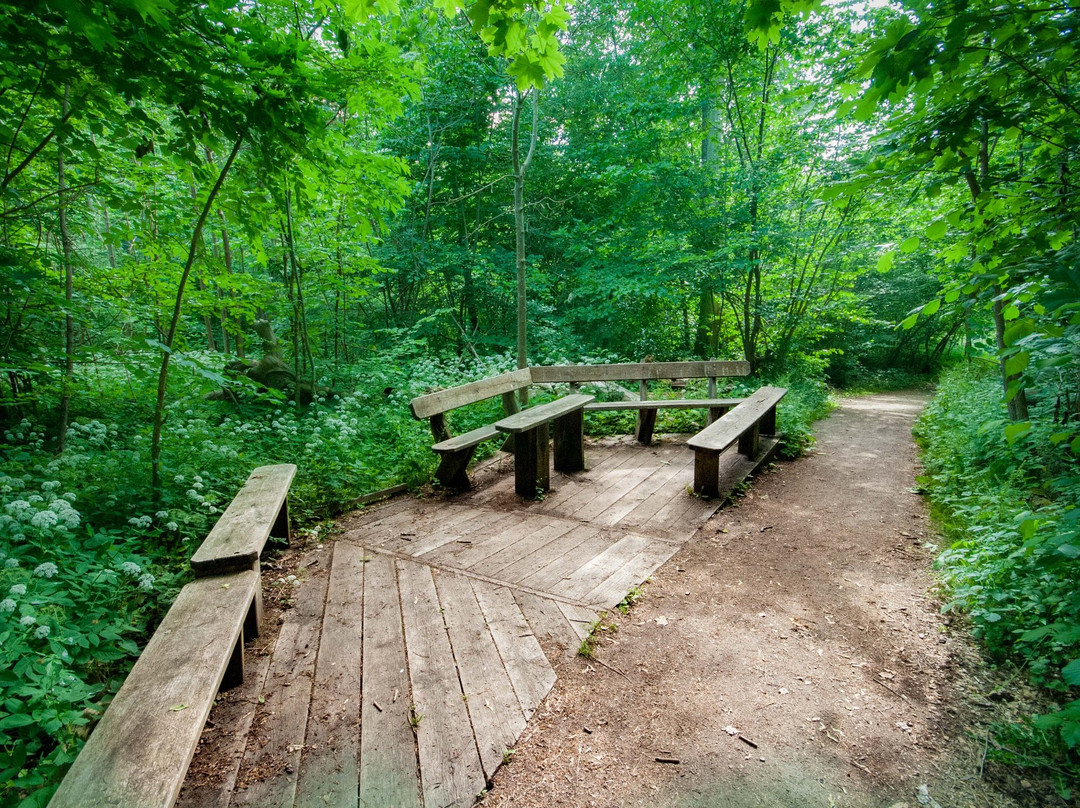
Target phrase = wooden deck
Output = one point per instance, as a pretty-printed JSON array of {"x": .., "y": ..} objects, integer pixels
[{"x": 418, "y": 644}]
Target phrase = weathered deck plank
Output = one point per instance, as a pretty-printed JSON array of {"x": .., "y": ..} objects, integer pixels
[
  {"x": 450, "y": 770},
  {"x": 331, "y": 777},
  {"x": 389, "y": 771},
  {"x": 496, "y": 714},
  {"x": 529, "y": 670},
  {"x": 273, "y": 753}
]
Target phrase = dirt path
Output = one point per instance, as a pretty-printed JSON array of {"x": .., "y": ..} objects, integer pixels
[{"x": 790, "y": 655}]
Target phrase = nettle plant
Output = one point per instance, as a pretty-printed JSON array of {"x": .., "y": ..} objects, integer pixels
[{"x": 74, "y": 603}]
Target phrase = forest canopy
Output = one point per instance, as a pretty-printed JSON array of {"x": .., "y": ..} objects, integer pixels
[{"x": 386, "y": 197}]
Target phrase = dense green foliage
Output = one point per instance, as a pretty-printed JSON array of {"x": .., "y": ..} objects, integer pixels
[
  {"x": 410, "y": 195},
  {"x": 1011, "y": 522}
]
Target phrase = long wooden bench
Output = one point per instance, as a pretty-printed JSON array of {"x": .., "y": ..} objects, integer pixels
[
  {"x": 643, "y": 373},
  {"x": 530, "y": 431},
  {"x": 258, "y": 512},
  {"x": 139, "y": 753},
  {"x": 456, "y": 452},
  {"x": 745, "y": 423}
]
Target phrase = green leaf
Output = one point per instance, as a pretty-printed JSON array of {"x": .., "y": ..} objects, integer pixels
[
  {"x": 1069, "y": 550},
  {"x": 931, "y": 307},
  {"x": 909, "y": 322},
  {"x": 910, "y": 245},
  {"x": 178, "y": 707},
  {"x": 14, "y": 721},
  {"x": 1071, "y": 673},
  {"x": 1014, "y": 431},
  {"x": 937, "y": 229},
  {"x": 886, "y": 262},
  {"x": 1017, "y": 363},
  {"x": 1019, "y": 330}
]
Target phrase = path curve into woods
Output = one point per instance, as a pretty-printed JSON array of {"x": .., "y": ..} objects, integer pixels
[{"x": 790, "y": 655}]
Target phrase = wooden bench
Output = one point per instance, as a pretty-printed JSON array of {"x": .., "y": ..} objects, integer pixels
[
  {"x": 643, "y": 373},
  {"x": 139, "y": 753},
  {"x": 530, "y": 431},
  {"x": 745, "y": 423},
  {"x": 456, "y": 452},
  {"x": 258, "y": 512}
]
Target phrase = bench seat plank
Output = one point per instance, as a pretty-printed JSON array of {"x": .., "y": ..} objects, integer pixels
[
  {"x": 240, "y": 534},
  {"x": 535, "y": 416},
  {"x": 467, "y": 440},
  {"x": 139, "y": 753},
  {"x": 719, "y": 435}
]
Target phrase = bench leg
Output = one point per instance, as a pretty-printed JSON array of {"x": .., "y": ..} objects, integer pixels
[
  {"x": 282, "y": 529},
  {"x": 706, "y": 473},
  {"x": 768, "y": 422},
  {"x": 452, "y": 471},
  {"x": 646, "y": 422},
  {"x": 234, "y": 671},
  {"x": 569, "y": 439},
  {"x": 254, "y": 620},
  {"x": 531, "y": 461},
  {"x": 748, "y": 441},
  {"x": 715, "y": 414}
]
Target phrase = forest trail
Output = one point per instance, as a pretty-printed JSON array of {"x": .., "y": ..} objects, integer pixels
[{"x": 790, "y": 655}]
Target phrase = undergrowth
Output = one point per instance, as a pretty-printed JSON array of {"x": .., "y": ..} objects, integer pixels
[{"x": 1008, "y": 511}]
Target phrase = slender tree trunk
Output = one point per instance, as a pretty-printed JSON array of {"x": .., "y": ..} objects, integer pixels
[
  {"x": 520, "y": 169},
  {"x": 69, "y": 291},
  {"x": 174, "y": 323}
]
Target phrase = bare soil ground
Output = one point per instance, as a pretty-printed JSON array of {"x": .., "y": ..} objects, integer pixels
[{"x": 793, "y": 654}]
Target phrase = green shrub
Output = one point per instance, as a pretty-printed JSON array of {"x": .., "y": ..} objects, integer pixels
[{"x": 1009, "y": 514}]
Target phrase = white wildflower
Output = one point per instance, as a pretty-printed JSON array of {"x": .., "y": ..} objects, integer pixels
[
  {"x": 44, "y": 519},
  {"x": 42, "y": 632},
  {"x": 172, "y": 526},
  {"x": 17, "y": 589},
  {"x": 130, "y": 568},
  {"x": 7, "y": 605},
  {"x": 178, "y": 479},
  {"x": 46, "y": 570},
  {"x": 27, "y": 620},
  {"x": 146, "y": 582},
  {"x": 50, "y": 485},
  {"x": 161, "y": 515},
  {"x": 11, "y": 563}
]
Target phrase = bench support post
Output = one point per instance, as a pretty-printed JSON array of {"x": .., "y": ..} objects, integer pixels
[
  {"x": 282, "y": 527},
  {"x": 748, "y": 441},
  {"x": 569, "y": 439},
  {"x": 706, "y": 473},
  {"x": 768, "y": 422},
  {"x": 531, "y": 461},
  {"x": 646, "y": 423},
  {"x": 452, "y": 469},
  {"x": 716, "y": 413},
  {"x": 439, "y": 430},
  {"x": 510, "y": 406},
  {"x": 234, "y": 670}
]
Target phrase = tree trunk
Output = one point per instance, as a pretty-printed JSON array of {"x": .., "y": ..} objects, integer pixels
[
  {"x": 69, "y": 292},
  {"x": 520, "y": 169},
  {"x": 170, "y": 335}
]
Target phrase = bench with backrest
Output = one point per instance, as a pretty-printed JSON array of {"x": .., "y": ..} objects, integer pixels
[
  {"x": 455, "y": 452},
  {"x": 745, "y": 423},
  {"x": 528, "y": 431},
  {"x": 138, "y": 754},
  {"x": 643, "y": 373}
]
